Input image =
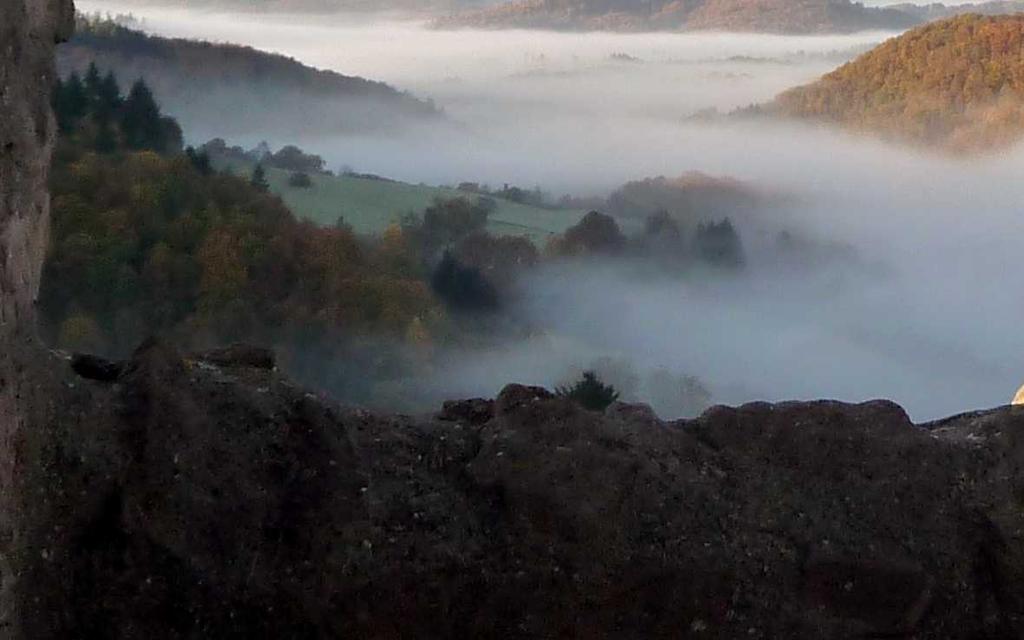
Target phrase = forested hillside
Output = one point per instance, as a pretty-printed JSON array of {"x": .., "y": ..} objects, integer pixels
[
  {"x": 957, "y": 84},
  {"x": 232, "y": 90},
  {"x": 772, "y": 16},
  {"x": 149, "y": 239}
]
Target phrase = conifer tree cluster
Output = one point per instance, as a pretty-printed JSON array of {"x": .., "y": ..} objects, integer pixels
[{"x": 94, "y": 108}]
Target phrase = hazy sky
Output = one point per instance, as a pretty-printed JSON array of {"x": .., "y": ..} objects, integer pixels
[{"x": 932, "y": 323}]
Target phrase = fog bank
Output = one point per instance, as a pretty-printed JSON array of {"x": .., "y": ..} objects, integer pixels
[{"x": 929, "y": 316}]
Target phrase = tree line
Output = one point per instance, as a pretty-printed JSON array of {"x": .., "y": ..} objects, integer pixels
[{"x": 94, "y": 111}]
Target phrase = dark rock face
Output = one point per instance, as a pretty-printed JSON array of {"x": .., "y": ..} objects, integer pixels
[
  {"x": 189, "y": 499},
  {"x": 240, "y": 355},
  {"x": 96, "y": 368},
  {"x": 474, "y": 412},
  {"x": 28, "y": 31}
]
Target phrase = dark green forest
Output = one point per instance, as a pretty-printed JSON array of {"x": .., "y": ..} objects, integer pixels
[{"x": 147, "y": 238}]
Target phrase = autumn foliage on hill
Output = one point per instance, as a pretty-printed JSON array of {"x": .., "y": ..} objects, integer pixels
[
  {"x": 957, "y": 84},
  {"x": 147, "y": 239}
]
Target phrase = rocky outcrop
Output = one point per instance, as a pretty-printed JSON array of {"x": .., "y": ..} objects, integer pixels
[
  {"x": 28, "y": 31},
  {"x": 186, "y": 498}
]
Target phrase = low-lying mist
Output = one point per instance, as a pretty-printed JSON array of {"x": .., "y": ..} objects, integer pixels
[
  {"x": 570, "y": 112},
  {"x": 928, "y": 314}
]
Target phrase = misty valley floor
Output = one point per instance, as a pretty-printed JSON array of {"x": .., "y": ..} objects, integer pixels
[{"x": 923, "y": 317}]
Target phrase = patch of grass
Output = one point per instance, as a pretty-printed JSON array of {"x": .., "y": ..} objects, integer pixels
[{"x": 370, "y": 205}]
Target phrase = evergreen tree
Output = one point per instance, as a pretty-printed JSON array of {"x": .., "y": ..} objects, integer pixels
[
  {"x": 140, "y": 119},
  {"x": 108, "y": 98},
  {"x": 106, "y": 138},
  {"x": 171, "y": 139},
  {"x": 70, "y": 102},
  {"x": 590, "y": 392},
  {"x": 77, "y": 97},
  {"x": 719, "y": 245},
  {"x": 259, "y": 178},
  {"x": 200, "y": 160},
  {"x": 92, "y": 83}
]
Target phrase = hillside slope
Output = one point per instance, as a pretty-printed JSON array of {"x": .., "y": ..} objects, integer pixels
[
  {"x": 956, "y": 84},
  {"x": 772, "y": 16},
  {"x": 218, "y": 89},
  {"x": 369, "y": 205}
]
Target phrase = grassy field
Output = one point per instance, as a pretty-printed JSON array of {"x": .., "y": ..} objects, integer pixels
[{"x": 370, "y": 205}]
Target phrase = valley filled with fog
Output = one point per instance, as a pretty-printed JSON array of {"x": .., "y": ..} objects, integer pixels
[
  {"x": 571, "y": 112},
  {"x": 925, "y": 313}
]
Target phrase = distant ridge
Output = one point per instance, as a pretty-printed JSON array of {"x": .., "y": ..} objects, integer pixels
[
  {"x": 937, "y": 11},
  {"x": 234, "y": 90},
  {"x": 770, "y": 16}
]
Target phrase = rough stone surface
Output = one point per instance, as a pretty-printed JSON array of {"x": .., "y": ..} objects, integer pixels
[
  {"x": 189, "y": 500},
  {"x": 476, "y": 411},
  {"x": 28, "y": 31},
  {"x": 95, "y": 367},
  {"x": 27, "y": 34},
  {"x": 240, "y": 355},
  {"x": 192, "y": 500}
]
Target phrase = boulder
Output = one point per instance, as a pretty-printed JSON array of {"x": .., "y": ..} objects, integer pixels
[
  {"x": 476, "y": 411},
  {"x": 204, "y": 501}
]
